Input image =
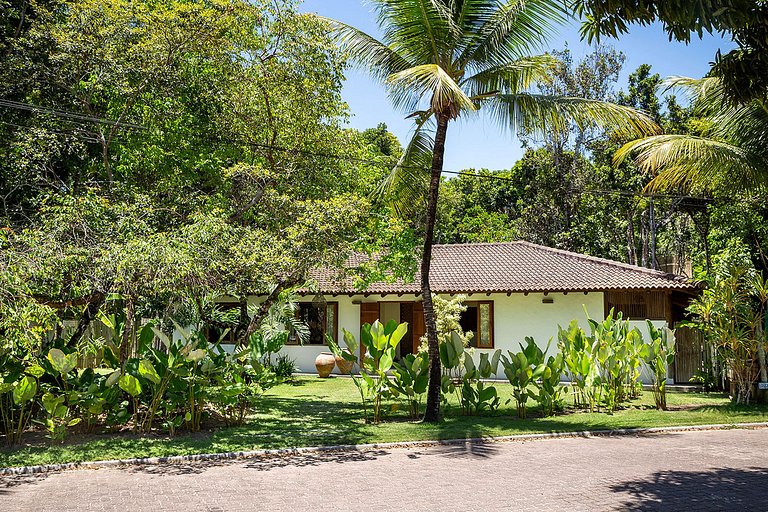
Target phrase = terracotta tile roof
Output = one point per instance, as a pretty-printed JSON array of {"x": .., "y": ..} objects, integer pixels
[{"x": 515, "y": 267}]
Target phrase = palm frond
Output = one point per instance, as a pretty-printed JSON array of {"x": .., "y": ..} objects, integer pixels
[
  {"x": 688, "y": 163},
  {"x": 367, "y": 52},
  {"x": 695, "y": 89},
  {"x": 420, "y": 30},
  {"x": 510, "y": 78},
  {"x": 538, "y": 113},
  {"x": 406, "y": 185},
  {"x": 515, "y": 29},
  {"x": 429, "y": 80}
]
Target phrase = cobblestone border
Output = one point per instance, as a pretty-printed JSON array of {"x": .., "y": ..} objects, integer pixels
[{"x": 283, "y": 452}]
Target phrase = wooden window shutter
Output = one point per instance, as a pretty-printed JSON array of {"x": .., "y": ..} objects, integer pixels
[{"x": 369, "y": 313}]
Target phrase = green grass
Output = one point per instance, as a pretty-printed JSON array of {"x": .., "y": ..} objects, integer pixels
[{"x": 312, "y": 411}]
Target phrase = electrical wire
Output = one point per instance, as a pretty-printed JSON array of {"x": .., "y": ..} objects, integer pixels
[
  {"x": 297, "y": 151},
  {"x": 18, "y": 105}
]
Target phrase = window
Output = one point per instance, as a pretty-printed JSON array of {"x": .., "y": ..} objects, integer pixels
[
  {"x": 320, "y": 320},
  {"x": 219, "y": 331},
  {"x": 478, "y": 318}
]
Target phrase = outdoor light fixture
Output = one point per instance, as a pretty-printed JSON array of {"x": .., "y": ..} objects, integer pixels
[{"x": 547, "y": 300}]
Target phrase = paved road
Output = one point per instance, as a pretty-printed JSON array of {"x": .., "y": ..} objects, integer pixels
[{"x": 700, "y": 471}]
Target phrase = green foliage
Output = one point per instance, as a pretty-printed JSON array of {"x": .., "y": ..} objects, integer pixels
[
  {"x": 532, "y": 373},
  {"x": 576, "y": 348},
  {"x": 659, "y": 355},
  {"x": 463, "y": 378},
  {"x": 726, "y": 156},
  {"x": 604, "y": 366},
  {"x": 731, "y": 313},
  {"x": 411, "y": 377},
  {"x": 378, "y": 343},
  {"x": 448, "y": 312},
  {"x": 744, "y": 68},
  {"x": 284, "y": 367}
]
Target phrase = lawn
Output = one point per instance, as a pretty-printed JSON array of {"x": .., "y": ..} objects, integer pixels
[{"x": 312, "y": 411}]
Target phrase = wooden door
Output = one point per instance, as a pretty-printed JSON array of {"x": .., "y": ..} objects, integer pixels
[
  {"x": 418, "y": 329},
  {"x": 689, "y": 353}
]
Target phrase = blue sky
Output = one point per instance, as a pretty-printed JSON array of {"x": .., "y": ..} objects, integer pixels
[{"x": 478, "y": 143}]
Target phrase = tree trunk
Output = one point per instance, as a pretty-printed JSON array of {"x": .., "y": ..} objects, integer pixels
[
  {"x": 432, "y": 412},
  {"x": 261, "y": 312},
  {"x": 631, "y": 250},
  {"x": 652, "y": 242},
  {"x": 97, "y": 300}
]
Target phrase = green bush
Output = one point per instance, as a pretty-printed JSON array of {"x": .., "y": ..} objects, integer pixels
[{"x": 284, "y": 367}]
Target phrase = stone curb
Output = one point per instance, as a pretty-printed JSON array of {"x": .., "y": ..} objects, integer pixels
[{"x": 282, "y": 452}]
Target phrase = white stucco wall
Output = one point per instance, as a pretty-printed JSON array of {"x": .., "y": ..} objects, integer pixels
[
  {"x": 519, "y": 315},
  {"x": 515, "y": 317}
]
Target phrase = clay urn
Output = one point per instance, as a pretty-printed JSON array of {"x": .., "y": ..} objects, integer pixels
[
  {"x": 325, "y": 362},
  {"x": 344, "y": 366}
]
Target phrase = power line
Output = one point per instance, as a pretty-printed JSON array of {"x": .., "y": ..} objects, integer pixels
[
  {"x": 18, "y": 105},
  {"x": 82, "y": 136},
  {"x": 297, "y": 151}
]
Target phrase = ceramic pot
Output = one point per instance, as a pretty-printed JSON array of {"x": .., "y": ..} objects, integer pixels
[
  {"x": 325, "y": 362},
  {"x": 344, "y": 366}
]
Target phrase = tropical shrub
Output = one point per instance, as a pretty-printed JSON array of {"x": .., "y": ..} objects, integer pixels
[
  {"x": 284, "y": 367},
  {"x": 378, "y": 343},
  {"x": 411, "y": 379},
  {"x": 605, "y": 365},
  {"x": 581, "y": 365},
  {"x": 658, "y": 355},
  {"x": 532, "y": 374},
  {"x": 616, "y": 348},
  {"x": 731, "y": 313},
  {"x": 168, "y": 381},
  {"x": 549, "y": 391},
  {"x": 464, "y": 379}
]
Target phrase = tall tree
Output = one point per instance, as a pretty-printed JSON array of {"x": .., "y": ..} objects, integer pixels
[
  {"x": 744, "y": 70},
  {"x": 730, "y": 154},
  {"x": 141, "y": 153},
  {"x": 442, "y": 59}
]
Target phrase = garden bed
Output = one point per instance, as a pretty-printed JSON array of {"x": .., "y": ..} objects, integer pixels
[{"x": 316, "y": 412}]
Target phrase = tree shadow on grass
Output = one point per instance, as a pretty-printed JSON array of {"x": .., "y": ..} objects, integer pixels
[{"x": 716, "y": 489}]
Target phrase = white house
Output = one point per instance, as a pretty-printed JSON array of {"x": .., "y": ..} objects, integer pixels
[{"x": 513, "y": 290}]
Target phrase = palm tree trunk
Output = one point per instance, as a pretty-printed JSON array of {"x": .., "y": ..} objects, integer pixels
[{"x": 432, "y": 411}]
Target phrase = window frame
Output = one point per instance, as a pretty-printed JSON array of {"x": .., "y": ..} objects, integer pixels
[
  {"x": 231, "y": 339},
  {"x": 293, "y": 341},
  {"x": 491, "y": 324}
]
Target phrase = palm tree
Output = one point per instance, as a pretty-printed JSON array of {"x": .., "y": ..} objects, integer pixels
[
  {"x": 730, "y": 154},
  {"x": 443, "y": 59}
]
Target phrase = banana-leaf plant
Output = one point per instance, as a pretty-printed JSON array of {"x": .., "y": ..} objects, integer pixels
[
  {"x": 451, "y": 358},
  {"x": 582, "y": 366},
  {"x": 522, "y": 369},
  {"x": 549, "y": 391},
  {"x": 615, "y": 346},
  {"x": 476, "y": 395},
  {"x": 378, "y": 343},
  {"x": 658, "y": 355},
  {"x": 411, "y": 379}
]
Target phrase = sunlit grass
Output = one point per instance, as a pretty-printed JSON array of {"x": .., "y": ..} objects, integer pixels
[{"x": 312, "y": 411}]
